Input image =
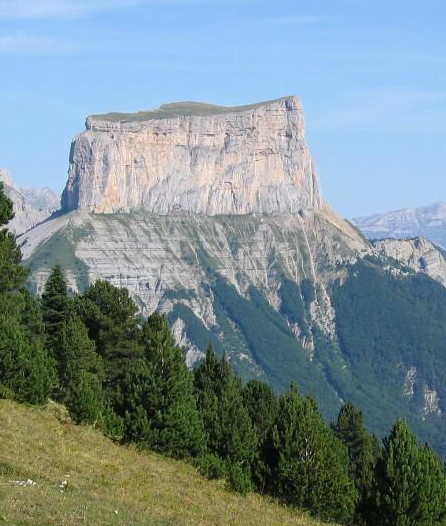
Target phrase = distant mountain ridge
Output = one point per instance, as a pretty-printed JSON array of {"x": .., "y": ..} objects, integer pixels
[
  {"x": 427, "y": 221},
  {"x": 31, "y": 205}
]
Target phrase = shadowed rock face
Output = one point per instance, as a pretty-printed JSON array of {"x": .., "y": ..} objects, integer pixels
[{"x": 195, "y": 157}]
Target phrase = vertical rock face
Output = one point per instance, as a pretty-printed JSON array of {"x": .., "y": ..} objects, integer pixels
[{"x": 197, "y": 158}]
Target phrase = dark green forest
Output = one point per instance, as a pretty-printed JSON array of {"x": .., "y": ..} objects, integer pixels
[
  {"x": 125, "y": 375},
  {"x": 386, "y": 325}
]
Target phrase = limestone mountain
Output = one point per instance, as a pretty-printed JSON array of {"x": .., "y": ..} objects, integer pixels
[
  {"x": 31, "y": 205},
  {"x": 428, "y": 221},
  {"x": 194, "y": 157},
  {"x": 214, "y": 215}
]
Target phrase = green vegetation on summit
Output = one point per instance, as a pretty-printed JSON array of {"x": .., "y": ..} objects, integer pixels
[{"x": 179, "y": 109}]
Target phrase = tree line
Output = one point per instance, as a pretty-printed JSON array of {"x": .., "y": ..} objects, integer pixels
[{"x": 126, "y": 375}]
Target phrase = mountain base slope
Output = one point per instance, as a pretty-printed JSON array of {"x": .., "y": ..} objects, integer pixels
[{"x": 53, "y": 472}]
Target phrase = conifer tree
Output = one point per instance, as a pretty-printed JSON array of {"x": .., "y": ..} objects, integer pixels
[
  {"x": 411, "y": 487},
  {"x": 56, "y": 309},
  {"x": 432, "y": 482},
  {"x": 24, "y": 365},
  {"x": 25, "y": 370},
  {"x": 12, "y": 274},
  {"x": 80, "y": 372},
  {"x": 262, "y": 405},
  {"x": 161, "y": 407},
  {"x": 6, "y": 207},
  {"x": 309, "y": 464},
  {"x": 110, "y": 316},
  {"x": 231, "y": 435},
  {"x": 351, "y": 431}
]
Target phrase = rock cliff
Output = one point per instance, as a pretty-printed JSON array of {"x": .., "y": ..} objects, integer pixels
[
  {"x": 419, "y": 254},
  {"x": 195, "y": 157}
]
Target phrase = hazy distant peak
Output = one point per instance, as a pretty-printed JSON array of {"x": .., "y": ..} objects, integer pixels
[{"x": 428, "y": 221}]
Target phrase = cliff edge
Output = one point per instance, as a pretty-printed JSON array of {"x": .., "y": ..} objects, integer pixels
[{"x": 197, "y": 158}]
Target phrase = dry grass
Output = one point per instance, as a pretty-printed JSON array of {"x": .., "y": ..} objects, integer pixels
[{"x": 109, "y": 484}]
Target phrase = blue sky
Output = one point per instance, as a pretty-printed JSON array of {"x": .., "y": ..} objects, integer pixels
[{"x": 371, "y": 75}]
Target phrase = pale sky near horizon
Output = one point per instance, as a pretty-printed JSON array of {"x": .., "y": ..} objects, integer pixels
[{"x": 371, "y": 76}]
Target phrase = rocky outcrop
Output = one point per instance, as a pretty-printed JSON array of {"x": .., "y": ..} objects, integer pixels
[
  {"x": 419, "y": 254},
  {"x": 197, "y": 158},
  {"x": 27, "y": 212},
  {"x": 428, "y": 221}
]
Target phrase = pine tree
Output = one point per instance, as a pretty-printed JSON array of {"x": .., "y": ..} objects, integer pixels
[
  {"x": 25, "y": 370},
  {"x": 231, "y": 434},
  {"x": 432, "y": 483},
  {"x": 80, "y": 372},
  {"x": 309, "y": 464},
  {"x": 351, "y": 431},
  {"x": 24, "y": 366},
  {"x": 6, "y": 207},
  {"x": 262, "y": 405},
  {"x": 56, "y": 309},
  {"x": 161, "y": 408},
  {"x": 411, "y": 487},
  {"x": 12, "y": 274},
  {"x": 110, "y": 316}
]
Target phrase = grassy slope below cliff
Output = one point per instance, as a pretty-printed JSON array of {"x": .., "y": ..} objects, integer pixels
[{"x": 109, "y": 484}]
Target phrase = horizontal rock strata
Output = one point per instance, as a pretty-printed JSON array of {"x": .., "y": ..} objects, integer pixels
[{"x": 195, "y": 157}]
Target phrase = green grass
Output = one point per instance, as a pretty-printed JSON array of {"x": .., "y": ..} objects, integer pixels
[
  {"x": 177, "y": 109},
  {"x": 110, "y": 485}
]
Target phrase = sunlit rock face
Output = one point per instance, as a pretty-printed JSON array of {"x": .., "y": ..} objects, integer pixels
[{"x": 195, "y": 157}]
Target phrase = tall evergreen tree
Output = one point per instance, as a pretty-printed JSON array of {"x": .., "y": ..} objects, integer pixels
[
  {"x": 110, "y": 316},
  {"x": 310, "y": 465},
  {"x": 24, "y": 365},
  {"x": 411, "y": 487},
  {"x": 25, "y": 369},
  {"x": 262, "y": 405},
  {"x": 432, "y": 482},
  {"x": 361, "y": 446},
  {"x": 56, "y": 309},
  {"x": 161, "y": 407},
  {"x": 80, "y": 372},
  {"x": 231, "y": 434}
]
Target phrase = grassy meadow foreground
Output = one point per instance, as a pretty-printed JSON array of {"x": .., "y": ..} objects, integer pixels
[{"x": 107, "y": 484}]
